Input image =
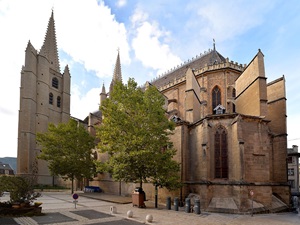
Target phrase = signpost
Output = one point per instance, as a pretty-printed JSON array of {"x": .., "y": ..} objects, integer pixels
[
  {"x": 75, "y": 197},
  {"x": 252, "y": 193}
]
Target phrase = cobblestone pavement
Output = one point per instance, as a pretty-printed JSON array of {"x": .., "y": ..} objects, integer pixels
[{"x": 59, "y": 209}]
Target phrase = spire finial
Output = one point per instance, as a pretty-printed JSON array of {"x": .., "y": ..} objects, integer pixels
[
  {"x": 214, "y": 44},
  {"x": 49, "y": 48}
]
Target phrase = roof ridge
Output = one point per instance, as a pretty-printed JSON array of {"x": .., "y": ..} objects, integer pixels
[{"x": 201, "y": 56}]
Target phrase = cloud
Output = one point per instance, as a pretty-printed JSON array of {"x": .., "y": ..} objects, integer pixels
[
  {"x": 82, "y": 105},
  {"x": 121, "y": 3},
  {"x": 227, "y": 19},
  {"x": 150, "y": 44},
  {"x": 91, "y": 35}
]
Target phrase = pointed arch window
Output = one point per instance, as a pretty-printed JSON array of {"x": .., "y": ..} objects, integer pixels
[
  {"x": 50, "y": 98},
  {"x": 58, "y": 102},
  {"x": 221, "y": 153},
  {"x": 216, "y": 98},
  {"x": 55, "y": 82}
]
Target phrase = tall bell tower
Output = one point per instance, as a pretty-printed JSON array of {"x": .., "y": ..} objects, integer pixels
[{"x": 44, "y": 98}]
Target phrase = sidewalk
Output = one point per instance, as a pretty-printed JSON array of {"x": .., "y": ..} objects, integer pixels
[
  {"x": 106, "y": 197},
  {"x": 96, "y": 209},
  {"x": 171, "y": 217}
]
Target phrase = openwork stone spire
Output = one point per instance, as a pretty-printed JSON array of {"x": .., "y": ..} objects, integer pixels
[
  {"x": 117, "y": 76},
  {"x": 49, "y": 48}
]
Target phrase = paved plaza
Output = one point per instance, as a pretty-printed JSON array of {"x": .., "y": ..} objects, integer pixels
[{"x": 103, "y": 209}]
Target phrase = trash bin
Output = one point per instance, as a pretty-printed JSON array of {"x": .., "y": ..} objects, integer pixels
[{"x": 138, "y": 198}]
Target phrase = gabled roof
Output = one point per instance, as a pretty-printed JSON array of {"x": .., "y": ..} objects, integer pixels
[{"x": 5, "y": 166}]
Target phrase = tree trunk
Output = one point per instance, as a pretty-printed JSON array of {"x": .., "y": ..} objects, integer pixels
[
  {"x": 141, "y": 184},
  {"x": 156, "y": 195},
  {"x": 72, "y": 190}
]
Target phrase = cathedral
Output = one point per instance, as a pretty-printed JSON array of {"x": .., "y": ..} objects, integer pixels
[{"x": 230, "y": 135}]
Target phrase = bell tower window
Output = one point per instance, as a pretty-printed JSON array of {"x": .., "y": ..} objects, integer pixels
[
  {"x": 50, "y": 98},
  {"x": 55, "y": 82},
  {"x": 58, "y": 102}
]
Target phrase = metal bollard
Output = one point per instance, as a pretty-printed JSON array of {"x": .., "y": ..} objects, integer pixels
[
  {"x": 168, "y": 203},
  {"x": 176, "y": 203},
  {"x": 187, "y": 205},
  {"x": 197, "y": 206}
]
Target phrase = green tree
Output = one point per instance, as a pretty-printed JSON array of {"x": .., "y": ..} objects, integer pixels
[
  {"x": 20, "y": 188},
  {"x": 135, "y": 133},
  {"x": 68, "y": 150}
]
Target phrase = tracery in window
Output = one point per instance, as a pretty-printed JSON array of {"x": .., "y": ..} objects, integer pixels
[
  {"x": 221, "y": 153},
  {"x": 55, "y": 82},
  {"x": 216, "y": 98}
]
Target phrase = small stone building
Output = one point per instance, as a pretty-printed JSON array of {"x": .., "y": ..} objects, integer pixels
[
  {"x": 293, "y": 169},
  {"x": 6, "y": 170}
]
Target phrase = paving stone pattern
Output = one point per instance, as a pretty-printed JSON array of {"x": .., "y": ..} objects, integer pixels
[
  {"x": 91, "y": 214},
  {"x": 58, "y": 209}
]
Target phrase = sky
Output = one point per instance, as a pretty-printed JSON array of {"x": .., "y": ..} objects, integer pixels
[{"x": 152, "y": 37}]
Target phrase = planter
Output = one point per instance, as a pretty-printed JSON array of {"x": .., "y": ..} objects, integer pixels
[
  {"x": 19, "y": 211},
  {"x": 16, "y": 206}
]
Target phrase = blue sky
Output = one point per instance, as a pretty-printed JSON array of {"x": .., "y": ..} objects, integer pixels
[{"x": 153, "y": 37}]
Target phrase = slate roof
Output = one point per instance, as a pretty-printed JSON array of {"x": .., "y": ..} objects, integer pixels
[
  {"x": 210, "y": 58},
  {"x": 5, "y": 166}
]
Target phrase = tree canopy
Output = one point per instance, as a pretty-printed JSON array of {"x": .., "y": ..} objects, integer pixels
[
  {"x": 135, "y": 133},
  {"x": 68, "y": 149}
]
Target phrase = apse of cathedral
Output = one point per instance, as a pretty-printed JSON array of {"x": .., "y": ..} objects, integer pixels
[{"x": 230, "y": 134}]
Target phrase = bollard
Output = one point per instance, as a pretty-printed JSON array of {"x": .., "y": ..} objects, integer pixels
[
  {"x": 113, "y": 210},
  {"x": 197, "y": 206},
  {"x": 149, "y": 218},
  {"x": 168, "y": 203},
  {"x": 187, "y": 205},
  {"x": 129, "y": 214},
  {"x": 176, "y": 203}
]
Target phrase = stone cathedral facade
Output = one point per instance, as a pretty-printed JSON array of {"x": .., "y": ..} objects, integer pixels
[
  {"x": 44, "y": 98},
  {"x": 230, "y": 135}
]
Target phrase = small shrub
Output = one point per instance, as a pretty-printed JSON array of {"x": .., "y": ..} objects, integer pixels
[{"x": 20, "y": 188}]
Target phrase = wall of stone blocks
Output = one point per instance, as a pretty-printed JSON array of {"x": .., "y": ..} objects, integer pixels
[
  {"x": 257, "y": 151},
  {"x": 276, "y": 89},
  {"x": 279, "y": 149},
  {"x": 254, "y": 69},
  {"x": 277, "y": 116},
  {"x": 283, "y": 192}
]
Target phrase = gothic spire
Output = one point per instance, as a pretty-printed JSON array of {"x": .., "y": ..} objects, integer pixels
[
  {"x": 49, "y": 48},
  {"x": 117, "y": 71},
  {"x": 117, "y": 76},
  {"x": 103, "y": 89}
]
